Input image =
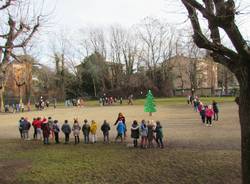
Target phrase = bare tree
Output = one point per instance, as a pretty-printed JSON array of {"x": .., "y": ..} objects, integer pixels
[
  {"x": 18, "y": 29},
  {"x": 221, "y": 14},
  {"x": 154, "y": 36}
]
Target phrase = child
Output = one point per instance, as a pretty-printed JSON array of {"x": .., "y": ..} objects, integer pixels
[
  {"x": 216, "y": 111},
  {"x": 56, "y": 130},
  {"x": 150, "y": 135},
  {"x": 105, "y": 130},
  {"x": 46, "y": 132},
  {"x": 34, "y": 122},
  {"x": 144, "y": 134},
  {"x": 76, "y": 131},
  {"x": 50, "y": 122},
  {"x": 120, "y": 131},
  {"x": 26, "y": 128},
  {"x": 209, "y": 115},
  {"x": 21, "y": 126},
  {"x": 121, "y": 117},
  {"x": 135, "y": 132},
  {"x": 201, "y": 110},
  {"x": 93, "y": 128},
  {"x": 38, "y": 126},
  {"x": 66, "y": 130},
  {"x": 159, "y": 134},
  {"x": 85, "y": 131}
]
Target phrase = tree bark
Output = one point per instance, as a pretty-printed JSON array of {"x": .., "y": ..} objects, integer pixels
[{"x": 244, "y": 114}]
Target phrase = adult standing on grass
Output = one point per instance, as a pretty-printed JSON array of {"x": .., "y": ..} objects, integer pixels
[
  {"x": 105, "y": 130},
  {"x": 76, "y": 131},
  {"x": 135, "y": 133},
  {"x": 66, "y": 130},
  {"x": 93, "y": 128},
  {"x": 216, "y": 110},
  {"x": 56, "y": 130},
  {"x": 209, "y": 115},
  {"x": 85, "y": 131}
]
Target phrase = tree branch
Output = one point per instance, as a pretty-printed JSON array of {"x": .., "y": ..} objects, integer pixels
[{"x": 7, "y": 4}]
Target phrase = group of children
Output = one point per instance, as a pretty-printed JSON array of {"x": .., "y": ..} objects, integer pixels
[
  {"x": 49, "y": 129},
  {"x": 208, "y": 113}
]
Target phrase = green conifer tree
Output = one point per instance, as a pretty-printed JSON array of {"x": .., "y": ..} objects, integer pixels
[{"x": 149, "y": 105}]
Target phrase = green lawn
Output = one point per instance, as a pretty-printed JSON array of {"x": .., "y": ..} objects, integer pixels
[
  {"x": 163, "y": 101},
  {"x": 31, "y": 162}
]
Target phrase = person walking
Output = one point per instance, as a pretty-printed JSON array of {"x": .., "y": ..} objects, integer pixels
[
  {"x": 216, "y": 110},
  {"x": 209, "y": 115}
]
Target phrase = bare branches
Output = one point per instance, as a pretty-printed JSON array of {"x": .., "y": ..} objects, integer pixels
[
  {"x": 223, "y": 17},
  {"x": 7, "y": 4}
]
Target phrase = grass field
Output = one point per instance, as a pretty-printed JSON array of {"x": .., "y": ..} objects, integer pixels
[
  {"x": 193, "y": 153},
  {"x": 164, "y": 101}
]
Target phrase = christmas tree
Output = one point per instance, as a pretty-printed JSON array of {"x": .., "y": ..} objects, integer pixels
[{"x": 149, "y": 105}]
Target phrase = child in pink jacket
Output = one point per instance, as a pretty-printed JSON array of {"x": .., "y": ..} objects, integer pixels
[{"x": 209, "y": 115}]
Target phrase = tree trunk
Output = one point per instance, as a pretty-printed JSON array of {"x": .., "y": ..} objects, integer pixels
[
  {"x": 244, "y": 114},
  {"x": 2, "y": 98},
  {"x": 94, "y": 85}
]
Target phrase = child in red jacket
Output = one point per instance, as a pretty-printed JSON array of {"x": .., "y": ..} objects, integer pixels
[{"x": 209, "y": 115}]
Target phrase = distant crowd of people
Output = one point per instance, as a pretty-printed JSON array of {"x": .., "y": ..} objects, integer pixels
[
  {"x": 110, "y": 100},
  {"x": 208, "y": 113},
  {"x": 49, "y": 130}
]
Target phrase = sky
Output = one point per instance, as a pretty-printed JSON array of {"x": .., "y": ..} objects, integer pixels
[{"x": 76, "y": 14}]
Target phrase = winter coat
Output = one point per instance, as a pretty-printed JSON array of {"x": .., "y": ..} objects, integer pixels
[
  {"x": 50, "y": 122},
  {"x": 45, "y": 129},
  {"x": 120, "y": 118},
  {"x": 76, "y": 129},
  {"x": 93, "y": 128},
  {"x": 105, "y": 128},
  {"x": 86, "y": 129},
  {"x": 21, "y": 125},
  {"x": 203, "y": 112},
  {"x": 135, "y": 131},
  {"x": 120, "y": 127},
  {"x": 144, "y": 130},
  {"x": 209, "y": 112},
  {"x": 150, "y": 132},
  {"x": 159, "y": 132},
  {"x": 66, "y": 128},
  {"x": 215, "y": 107},
  {"x": 56, "y": 128}
]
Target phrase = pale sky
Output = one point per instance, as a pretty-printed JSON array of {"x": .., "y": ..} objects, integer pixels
[{"x": 76, "y": 14}]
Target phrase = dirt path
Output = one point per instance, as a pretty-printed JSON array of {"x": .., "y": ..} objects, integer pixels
[{"x": 181, "y": 124}]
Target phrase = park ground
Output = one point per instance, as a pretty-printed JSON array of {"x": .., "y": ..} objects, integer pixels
[{"x": 193, "y": 153}]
